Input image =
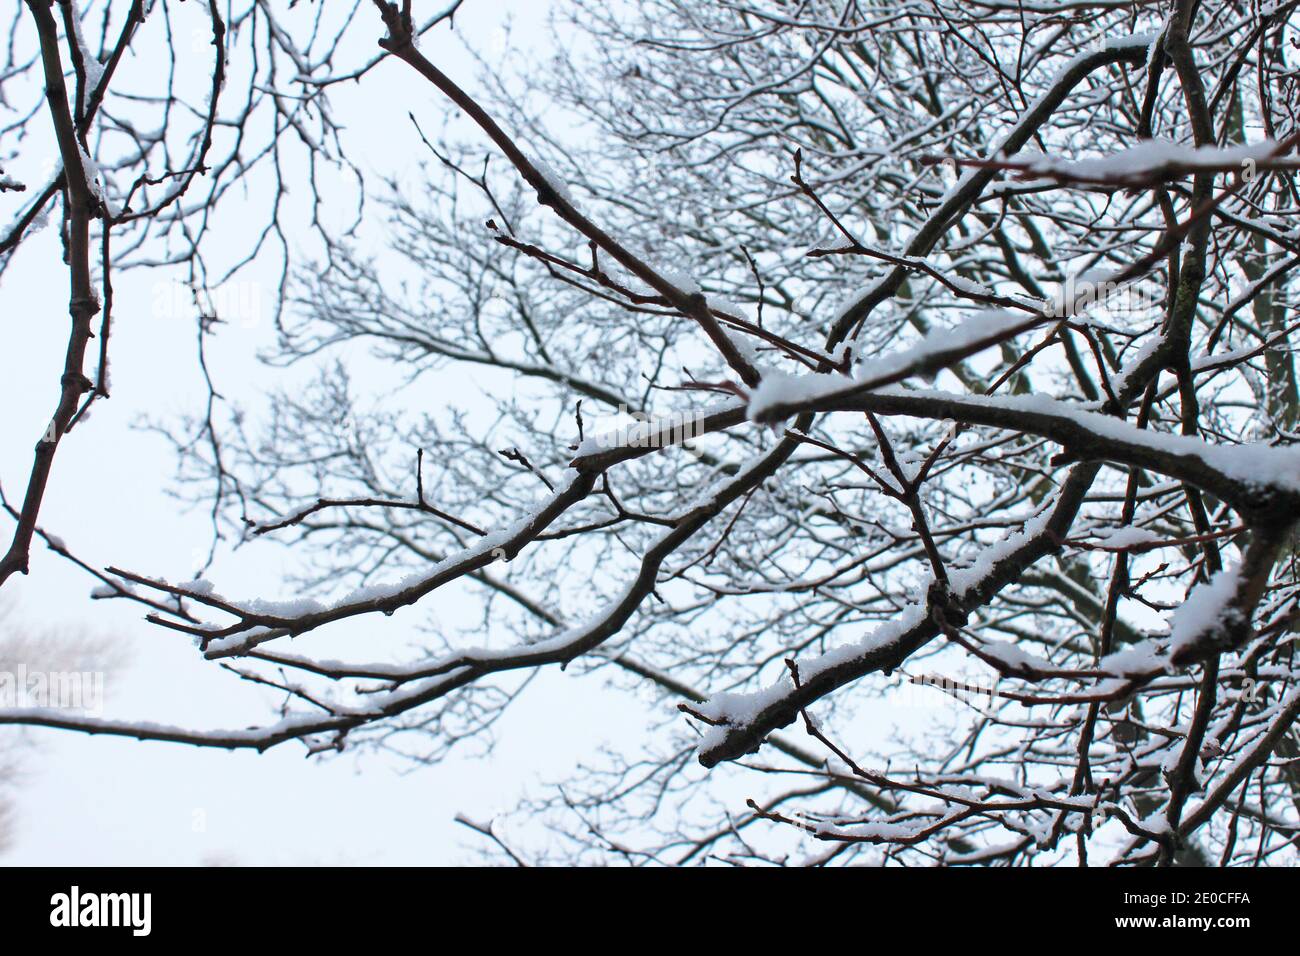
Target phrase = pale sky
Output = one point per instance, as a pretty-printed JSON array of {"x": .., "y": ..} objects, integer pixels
[{"x": 88, "y": 801}]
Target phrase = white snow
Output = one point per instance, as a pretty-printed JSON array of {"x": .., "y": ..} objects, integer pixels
[
  {"x": 1206, "y": 610},
  {"x": 1251, "y": 463},
  {"x": 780, "y": 388},
  {"x": 1127, "y": 537},
  {"x": 1015, "y": 658},
  {"x": 987, "y": 327},
  {"x": 1134, "y": 362},
  {"x": 1139, "y": 163},
  {"x": 1145, "y": 657},
  {"x": 964, "y": 580},
  {"x": 94, "y": 180},
  {"x": 681, "y": 280},
  {"x": 90, "y": 63},
  {"x": 657, "y": 432},
  {"x": 554, "y": 180}
]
